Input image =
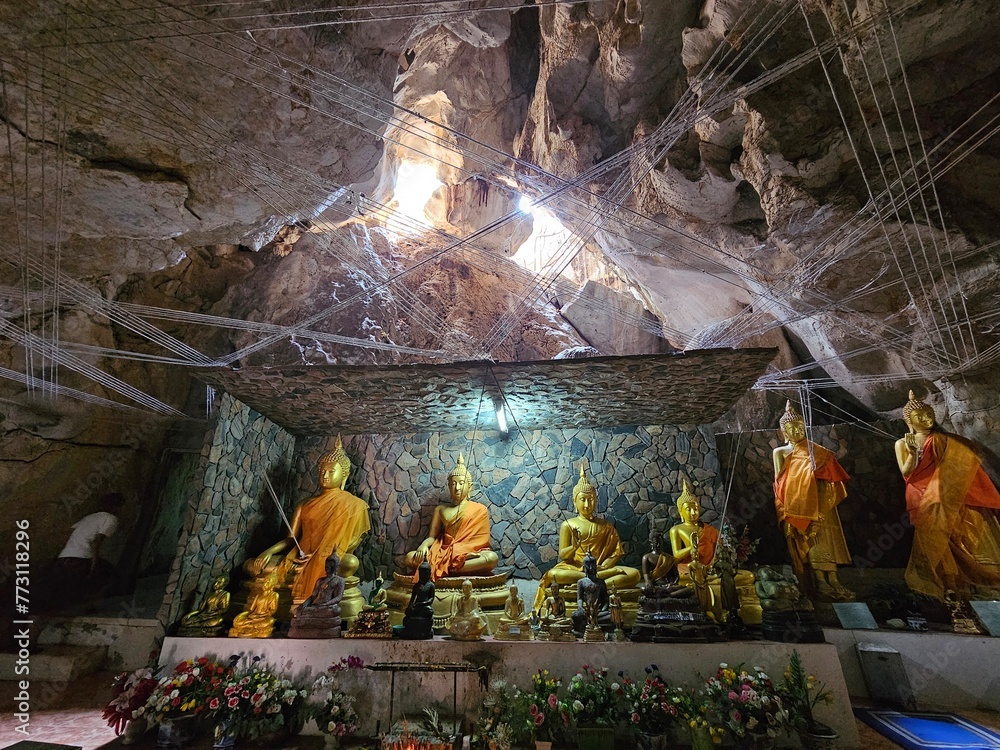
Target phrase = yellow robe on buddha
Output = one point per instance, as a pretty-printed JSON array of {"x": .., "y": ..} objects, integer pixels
[
  {"x": 466, "y": 534},
  {"x": 806, "y": 499},
  {"x": 602, "y": 544},
  {"x": 336, "y": 519},
  {"x": 952, "y": 505}
]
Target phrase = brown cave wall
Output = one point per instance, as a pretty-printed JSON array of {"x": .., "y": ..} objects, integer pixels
[{"x": 873, "y": 514}]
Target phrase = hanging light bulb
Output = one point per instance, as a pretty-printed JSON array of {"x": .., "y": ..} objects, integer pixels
[{"x": 501, "y": 417}]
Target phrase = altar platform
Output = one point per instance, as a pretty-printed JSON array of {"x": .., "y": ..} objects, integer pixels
[{"x": 514, "y": 662}]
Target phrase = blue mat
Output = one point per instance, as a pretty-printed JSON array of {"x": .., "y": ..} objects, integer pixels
[{"x": 929, "y": 731}]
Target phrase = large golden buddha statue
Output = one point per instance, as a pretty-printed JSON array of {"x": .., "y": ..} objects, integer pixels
[
  {"x": 458, "y": 542},
  {"x": 332, "y": 520},
  {"x": 587, "y": 533},
  {"x": 953, "y": 507},
  {"x": 808, "y": 487}
]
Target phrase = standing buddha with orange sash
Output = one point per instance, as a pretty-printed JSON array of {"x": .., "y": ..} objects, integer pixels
[
  {"x": 808, "y": 487},
  {"x": 953, "y": 507}
]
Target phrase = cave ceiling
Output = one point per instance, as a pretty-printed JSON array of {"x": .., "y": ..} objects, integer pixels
[{"x": 191, "y": 185}]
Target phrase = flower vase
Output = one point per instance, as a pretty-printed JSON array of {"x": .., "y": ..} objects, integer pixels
[
  {"x": 645, "y": 741},
  {"x": 543, "y": 745},
  {"x": 224, "y": 738},
  {"x": 701, "y": 739},
  {"x": 175, "y": 732},
  {"x": 134, "y": 729},
  {"x": 331, "y": 742},
  {"x": 818, "y": 737},
  {"x": 595, "y": 738}
]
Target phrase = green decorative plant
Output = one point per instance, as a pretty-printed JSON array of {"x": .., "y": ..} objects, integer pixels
[{"x": 800, "y": 695}]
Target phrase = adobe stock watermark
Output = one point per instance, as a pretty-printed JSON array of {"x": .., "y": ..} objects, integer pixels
[{"x": 21, "y": 625}]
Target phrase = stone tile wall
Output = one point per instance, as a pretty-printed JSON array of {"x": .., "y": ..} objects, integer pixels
[
  {"x": 873, "y": 509},
  {"x": 231, "y": 503},
  {"x": 525, "y": 481}
]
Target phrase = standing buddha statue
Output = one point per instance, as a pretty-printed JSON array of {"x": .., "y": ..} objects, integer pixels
[
  {"x": 953, "y": 507},
  {"x": 808, "y": 487}
]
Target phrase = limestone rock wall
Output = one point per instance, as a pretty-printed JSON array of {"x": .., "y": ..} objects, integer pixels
[
  {"x": 526, "y": 482},
  {"x": 231, "y": 502}
]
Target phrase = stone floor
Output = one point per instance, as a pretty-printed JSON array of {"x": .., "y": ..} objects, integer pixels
[{"x": 72, "y": 716}]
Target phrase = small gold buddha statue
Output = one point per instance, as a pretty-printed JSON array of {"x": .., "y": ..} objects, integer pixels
[
  {"x": 808, "y": 487},
  {"x": 587, "y": 533},
  {"x": 332, "y": 520},
  {"x": 208, "y": 619},
  {"x": 553, "y": 611},
  {"x": 514, "y": 618},
  {"x": 257, "y": 620},
  {"x": 468, "y": 623},
  {"x": 458, "y": 542}
]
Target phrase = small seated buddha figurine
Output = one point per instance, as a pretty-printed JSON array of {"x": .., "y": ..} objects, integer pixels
[
  {"x": 257, "y": 620},
  {"x": 515, "y": 618},
  {"x": 587, "y": 534},
  {"x": 319, "y": 615},
  {"x": 418, "y": 619},
  {"x": 468, "y": 623},
  {"x": 553, "y": 611},
  {"x": 808, "y": 487},
  {"x": 373, "y": 619},
  {"x": 458, "y": 542},
  {"x": 659, "y": 571},
  {"x": 332, "y": 520},
  {"x": 954, "y": 508},
  {"x": 208, "y": 619}
]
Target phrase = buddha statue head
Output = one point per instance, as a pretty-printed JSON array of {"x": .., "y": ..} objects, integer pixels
[
  {"x": 334, "y": 467},
  {"x": 221, "y": 582},
  {"x": 590, "y": 566},
  {"x": 918, "y": 415},
  {"x": 793, "y": 426},
  {"x": 332, "y": 563},
  {"x": 459, "y": 481},
  {"x": 467, "y": 589},
  {"x": 584, "y": 496},
  {"x": 655, "y": 541},
  {"x": 688, "y": 506}
]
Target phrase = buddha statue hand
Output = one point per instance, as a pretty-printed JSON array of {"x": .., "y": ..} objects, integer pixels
[{"x": 259, "y": 564}]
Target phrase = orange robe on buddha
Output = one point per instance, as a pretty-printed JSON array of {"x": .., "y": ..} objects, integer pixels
[
  {"x": 708, "y": 539},
  {"x": 806, "y": 500},
  {"x": 467, "y": 534},
  {"x": 335, "y": 519},
  {"x": 952, "y": 505}
]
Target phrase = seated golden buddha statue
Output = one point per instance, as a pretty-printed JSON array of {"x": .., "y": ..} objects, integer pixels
[
  {"x": 458, "y": 542},
  {"x": 514, "y": 618},
  {"x": 257, "y": 620},
  {"x": 468, "y": 623},
  {"x": 333, "y": 520},
  {"x": 587, "y": 533},
  {"x": 208, "y": 619}
]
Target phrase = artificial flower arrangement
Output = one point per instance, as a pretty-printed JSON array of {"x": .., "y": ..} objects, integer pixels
[
  {"x": 547, "y": 716},
  {"x": 693, "y": 709},
  {"x": 744, "y": 702},
  {"x": 129, "y": 694},
  {"x": 500, "y": 722},
  {"x": 649, "y": 704},
  {"x": 251, "y": 700},
  {"x": 335, "y": 715},
  {"x": 733, "y": 552},
  {"x": 593, "y": 698},
  {"x": 800, "y": 695},
  {"x": 190, "y": 689}
]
